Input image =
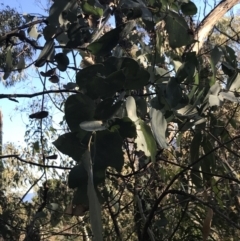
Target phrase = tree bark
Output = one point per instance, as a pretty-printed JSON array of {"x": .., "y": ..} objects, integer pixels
[{"x": 210, "y": 20}]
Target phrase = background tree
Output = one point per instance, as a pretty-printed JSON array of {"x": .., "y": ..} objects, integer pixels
[
  {"x": 15, "y": 54},
  {"x": 149, "y": 127}
]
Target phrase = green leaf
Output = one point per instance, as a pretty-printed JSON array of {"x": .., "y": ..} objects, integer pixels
[
  {"x": 131, "y": 108},
  {"x": 145, "y": 140},
  {"x": 228, "y": 69},
  {"x": 187, "y": 111},
  {"x": 135, "y": 76},
  {"x": 80, "y": 196},
  {"x": 194, "y": 156},
  {"x": 62, "y": 61},
  {"x": 9, "y": 65},
  {"x": 85, "y": 75},
  {"x": 70, "y": 86},
  {"x": 39, "y": 115},
  {"x": 216, "y": 55},
  {"x": 107, "y": 42},
  {"x": 186, "y": 70},
  {"x": 58, "y": 10},
  {"x": 106, "y": 109},
  {"x": 230, "y": 56},
  {"x": 132, "y": 13},
  {"x": 178, "y": 31},
  {"x": 159, "y": 127},
  {"x": 105, "y": 87},
  {"x": 92, "y": 10},
  {"x": 124, "y": 126},
  {"x": 114, "y": 82},
  {"x": 54, "y": 79},
  {"x": 208, "y": 164},
  {"x": 94, "y": 205},
  {"x": 78, "y": 108},
  {"x": 141, "y": 107},
  {"x": 74, "y": 33},
  {"x": 46, "y": 53},
  {"x": 173, "y": 92},
  {"x": 189, "y": 8},
  {"x": 234, "y": 83},
  {"x": 49, "y": 73},
  {"x": 138, "y": 81},
  {"x": 78, "y": 177},
  {"x": 108, "y": 150},
  {"x": 49, "y": 31},
  {"x": 69, "y": 144},
  {"x": 93, "y": 126}
]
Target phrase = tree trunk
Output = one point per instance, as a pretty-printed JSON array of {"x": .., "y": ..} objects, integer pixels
[{"x": 210, "y": 20}]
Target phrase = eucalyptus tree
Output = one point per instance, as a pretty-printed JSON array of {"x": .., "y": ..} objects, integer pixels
[{"x": 144, "y": 133}]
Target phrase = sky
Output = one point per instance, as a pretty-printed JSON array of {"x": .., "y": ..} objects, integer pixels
[{"x": 13, "y": 120}]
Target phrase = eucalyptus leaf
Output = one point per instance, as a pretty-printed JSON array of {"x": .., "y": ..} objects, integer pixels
[
  {"x": 69, "y": 144},
  {"x": 62, "y": 61},
  {"x": 235, "y": 83},
  {"x": 70, "y": 86},
  {"x": 94, "y": 205},
  {"x": 228, "y": 96},
  {"x": 189, "y": 8},
  {"x": 145, "y": 140},
  {"x": 49, "y": 31},
  {"x": 92, "y": 10},
  {"x": 124, "y": 126},
  {"x": 214, "y": 100},
  {"x": 112, "y": 142},
  {"x": 93, "y": 126},
  {"x": 9, "y": 64},
  {"x": 176, "y": 26},
  {"x": 131, "y": 108},
  {"x": 216, "y": 55},
  {"x": 46, "y": 53},
  {"x": 194, "y": 156},
  {"x": 107, "y": 42},
  {"x": 78, "y": 108},
  {"x": 159, "y": 127},
  {"x": 106, "y": 109}
]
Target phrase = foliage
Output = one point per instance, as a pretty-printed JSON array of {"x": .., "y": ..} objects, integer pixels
[
  {"x": 148, "y": 140},
  {"x": 14, "y": 51}
]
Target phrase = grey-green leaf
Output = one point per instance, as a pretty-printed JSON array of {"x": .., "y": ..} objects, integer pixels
[
  {"x": 178, "y": 31},
  {"x": 159, "y": 127}
]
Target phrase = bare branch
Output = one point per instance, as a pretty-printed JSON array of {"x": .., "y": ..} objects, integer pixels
[
  {"x": 7, "y": 96},
  {"x": 35, "y": 164}
]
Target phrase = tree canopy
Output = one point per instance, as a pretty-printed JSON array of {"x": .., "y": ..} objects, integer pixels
[{"x": 148, "y": 144}]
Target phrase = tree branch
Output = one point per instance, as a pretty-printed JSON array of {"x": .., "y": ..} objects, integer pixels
[
  {"x": 7, "y": 96},
  {"x": 166, "y": 189},
  {"x": 35, "y": 164},
  {"x": 210, "y": 20}
]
